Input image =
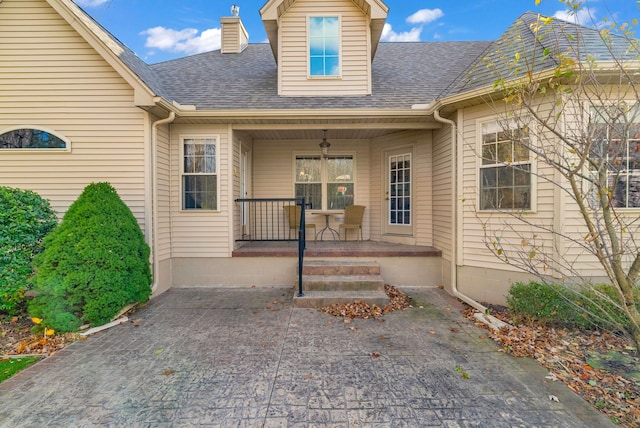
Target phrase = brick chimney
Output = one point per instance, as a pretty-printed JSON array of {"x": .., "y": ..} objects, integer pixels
[{"x": 234, "y": 37}]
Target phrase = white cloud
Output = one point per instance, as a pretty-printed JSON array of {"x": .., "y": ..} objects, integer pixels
[
  {"x": 388, "y": 35},
  {"x": 425, "y": 16},
  {"x": 586, "y": 16},
  {"x": 90, "y": 3},
  {"x": 185, "y": 41},
  {"x": 421, "y": 17}
]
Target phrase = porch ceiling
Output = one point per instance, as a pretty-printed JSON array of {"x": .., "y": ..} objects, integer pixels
[{"x": 282, "y": 129}]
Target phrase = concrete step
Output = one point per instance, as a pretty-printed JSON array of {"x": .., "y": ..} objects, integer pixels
[
  {"x": 327, "y": 267},
  {"x": 318, "y": 299},
  {"x": 342, "y": 282}
]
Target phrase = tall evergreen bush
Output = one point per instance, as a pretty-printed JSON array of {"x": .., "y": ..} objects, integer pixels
[
  {"x": 25, "y": 219},
  {"x": 94, "y": 264}
]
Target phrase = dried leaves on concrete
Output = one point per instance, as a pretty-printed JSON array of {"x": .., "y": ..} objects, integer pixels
[
  {"x": 359, "y": 309},
  {"x": 601, "y": 367}
]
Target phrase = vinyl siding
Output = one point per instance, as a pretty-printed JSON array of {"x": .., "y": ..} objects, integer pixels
[
  {"x": 355, "y": 54},
  {"x": 196, "y": 233},
  {"x": 163, "y": 183},
  {"x": 442, "y": 192},
  {"x": 51, "y": 78}
]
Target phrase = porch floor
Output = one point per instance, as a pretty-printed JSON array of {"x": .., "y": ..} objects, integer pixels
[{"x": 334, "y": 249}]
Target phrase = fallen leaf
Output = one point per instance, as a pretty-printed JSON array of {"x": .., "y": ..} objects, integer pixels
[
  {"x": 168, "y": 372},
  {"x": 455, "y": 330},
  {"x": 375, "y": 355},
  {"x": 432, "y": 332},
  {"x": 159, "y": 351},
  {"x": 36, "y": 320}
]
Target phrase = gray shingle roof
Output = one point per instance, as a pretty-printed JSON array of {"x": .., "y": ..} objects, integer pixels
[
  {"x": 403, "y": 74},
  {"x": 558, "y": 36}
]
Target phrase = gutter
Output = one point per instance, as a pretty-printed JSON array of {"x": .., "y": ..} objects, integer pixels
[
  {"x": 483, "y": 312},
  {"x": 154, "y": 197}
]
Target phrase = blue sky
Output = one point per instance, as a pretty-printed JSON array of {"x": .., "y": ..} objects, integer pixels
[{"x": 159, "y": 30}]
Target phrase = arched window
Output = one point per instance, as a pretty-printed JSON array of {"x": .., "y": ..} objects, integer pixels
[{"x": 31, "y": 138}]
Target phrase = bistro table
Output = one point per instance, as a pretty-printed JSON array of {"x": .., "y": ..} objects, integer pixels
[{"x": 327, "y": 213}]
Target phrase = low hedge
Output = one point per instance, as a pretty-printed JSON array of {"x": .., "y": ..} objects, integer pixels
[{"x": 556, "y": 305}]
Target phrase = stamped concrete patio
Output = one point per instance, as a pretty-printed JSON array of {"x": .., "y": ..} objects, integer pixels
[{"x": 247, "y": 358}]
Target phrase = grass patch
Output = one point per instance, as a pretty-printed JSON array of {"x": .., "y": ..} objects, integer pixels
[{"x": 11, "y": 366}]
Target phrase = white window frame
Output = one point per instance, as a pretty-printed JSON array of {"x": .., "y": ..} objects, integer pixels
[
  {"x": 324, "y": 175},
  {"x": 480, "y": 166},
  {"x": 308, "y": 47},
  {"x": 216, "y": 143},
  {"x": 624, "y": 171},
  {"x": 67, "y": 142}
]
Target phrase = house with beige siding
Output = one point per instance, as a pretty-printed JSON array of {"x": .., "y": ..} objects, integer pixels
[{"x": 186, "y": 142}]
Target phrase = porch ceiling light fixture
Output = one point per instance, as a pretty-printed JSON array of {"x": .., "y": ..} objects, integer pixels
[{"x": 324, "y": 145}]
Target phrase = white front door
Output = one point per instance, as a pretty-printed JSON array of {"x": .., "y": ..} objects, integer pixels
[{"x": 398, "y": 198}]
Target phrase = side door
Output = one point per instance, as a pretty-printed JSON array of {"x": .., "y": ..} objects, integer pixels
[{"x": 398, "y": 195}]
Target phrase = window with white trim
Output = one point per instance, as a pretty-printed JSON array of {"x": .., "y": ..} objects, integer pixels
[
  {"x": 325, "y": 182},
  {"x": 505, "y": 170},
  {"x": 616, "y": 142},
  {"x": 199, "y": 174},
  {"x": 324, "y": 46},
  {"x": 32, "y": 139}
]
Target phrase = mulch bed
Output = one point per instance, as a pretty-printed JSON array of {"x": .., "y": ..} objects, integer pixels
[{"x": 16, "y": 339}]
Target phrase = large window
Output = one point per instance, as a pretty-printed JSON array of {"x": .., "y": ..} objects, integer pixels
[
  {"x": 616, "y": 143},
  {"x": 505, "y": 172},
  {"x": 325, "y": 182},
  {"x": 31, "y": 139},
  {"x": 324, "y": 46},
  {"x": 199, "y": 174}
]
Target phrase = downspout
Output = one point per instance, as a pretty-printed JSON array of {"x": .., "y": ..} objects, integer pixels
[
  {"x": 154, "y": 197},
  {"x": 483, "y": 314}
]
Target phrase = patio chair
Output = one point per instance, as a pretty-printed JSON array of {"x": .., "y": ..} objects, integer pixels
[
  {"x": 292, "y": 212},
  {"x": 352, "y": 219}
]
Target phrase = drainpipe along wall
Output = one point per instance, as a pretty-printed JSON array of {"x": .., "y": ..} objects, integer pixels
[
  {"x": 483, "y": 316},
  {"x": 154, "y": 193}
]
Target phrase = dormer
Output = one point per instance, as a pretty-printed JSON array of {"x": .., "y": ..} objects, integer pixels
[{"x": 324, "y": 48}]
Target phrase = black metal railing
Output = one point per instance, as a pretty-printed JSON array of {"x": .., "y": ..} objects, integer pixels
[{"x": 275, "y": 219}]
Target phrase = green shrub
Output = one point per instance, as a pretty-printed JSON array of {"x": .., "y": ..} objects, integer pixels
[
  {"x": 543, "y": 303},
  {"x": 25, "y": 219},
  {"x": 95, "y": 263},
  {"x": 556, "y": 305}
]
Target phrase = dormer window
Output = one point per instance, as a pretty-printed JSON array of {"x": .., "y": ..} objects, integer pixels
[{"x": 324, "y": 46}]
